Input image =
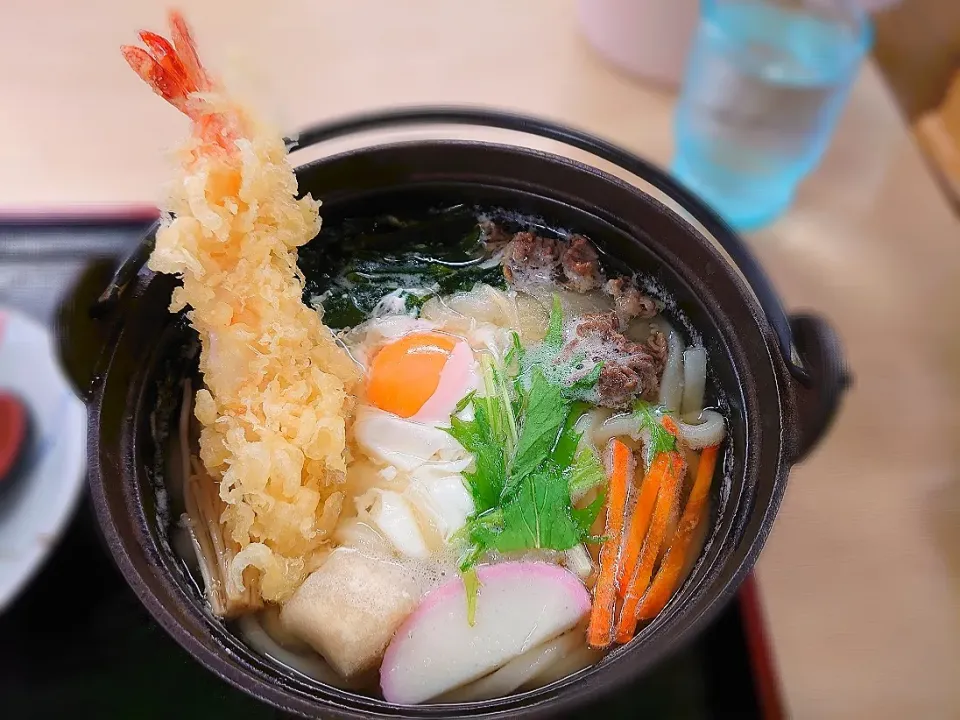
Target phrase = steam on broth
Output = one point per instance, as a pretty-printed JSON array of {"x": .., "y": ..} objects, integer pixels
[{"x": 437, "y": 458}]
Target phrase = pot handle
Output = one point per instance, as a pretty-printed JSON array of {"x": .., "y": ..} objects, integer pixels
[
  {"x": 825, "y": 381},
  {"x": 817, "y": 402}
]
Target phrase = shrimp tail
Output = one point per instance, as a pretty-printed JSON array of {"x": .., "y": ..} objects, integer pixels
[
  {"x": 165, "y": 81},
  {"x": 187, "y": 52},
  {"x": 172, "y": 68}
]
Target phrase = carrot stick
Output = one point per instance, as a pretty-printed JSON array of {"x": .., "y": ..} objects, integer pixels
[
  {"x": 600, "y": 629},
  {"x": 673, "y": 522},
  {"x": 666, "y": 497},
  {"x": 669, "y": 573},
  {"x": 670, "y": 425},
  {"x": 643, "y": 511},
  {"x": 640, "y": 521},
  {"x": 689, "y": 456}
]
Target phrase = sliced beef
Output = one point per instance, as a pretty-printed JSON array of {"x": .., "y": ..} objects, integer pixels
[
  {"x": 636, "y": 376},
  {"x": 495, "y": 237},
  {"x": 629, "y": 301},
  {"x": 631, "y": 370},
  {"x": 530, "y": 259},
  {"x": 657, "y": 343},
  {"x": 581, "y": 264},
  {"x": 605, "y": 326},
  {"x": 618, "y": 386}
]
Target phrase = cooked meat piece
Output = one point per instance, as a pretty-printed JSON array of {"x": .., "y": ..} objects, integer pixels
[
  {"x": 623, "y": 382},
  {"x": 630, "y": 370},
  {"x": 581, "y": 264},
  {"x": 605, "y": 325},
  {"x": 657, "y": 342},
  {"x": 648, "y": 369},
  {"x": 629, "y": 301},
  {"x": 495, "y": 237},
  {"x": 617, "y": 385},
  {"x": 530, "y": 259}
]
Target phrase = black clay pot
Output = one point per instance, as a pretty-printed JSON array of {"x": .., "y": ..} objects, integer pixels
[{"x": 782, "y": 379}]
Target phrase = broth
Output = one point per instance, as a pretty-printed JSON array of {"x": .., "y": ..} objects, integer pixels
[{"x": 381, "y": 281}]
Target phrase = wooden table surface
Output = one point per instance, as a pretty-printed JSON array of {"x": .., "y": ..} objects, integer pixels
[{"x": 861, "y": 574}]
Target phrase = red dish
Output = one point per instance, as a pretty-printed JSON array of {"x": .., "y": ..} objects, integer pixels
[{"x": 13, "y": 432}]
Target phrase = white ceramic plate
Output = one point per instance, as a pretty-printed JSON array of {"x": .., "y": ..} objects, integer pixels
[{"x": 37, "y": 507}]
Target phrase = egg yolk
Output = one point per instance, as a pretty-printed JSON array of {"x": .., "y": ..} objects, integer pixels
[{"x": 406, "y": 373}]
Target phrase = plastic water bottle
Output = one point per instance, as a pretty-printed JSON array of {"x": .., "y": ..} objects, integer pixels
[{"x": 765, "y": 83}]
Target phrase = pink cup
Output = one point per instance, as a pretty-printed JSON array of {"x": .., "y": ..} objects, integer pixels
[{"x": 647, "y": 38}]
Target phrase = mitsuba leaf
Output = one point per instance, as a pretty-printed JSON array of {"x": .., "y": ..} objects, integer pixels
[
  {"x": 585, "y": 517},
  {"x": 515, "y": 355},
  {"x": 587, "y": 382},
  {"x": 649, "y": 417},
  {"x": 471, "y": 585},
  {"x": 585, "y": 473},
  {"x": 486, "y": 482},
  {"x": 529, "y": 461},
  {"x": 539, "y": 515},
  {"x": 464, "y": 402},
  {"x": 545, "y": 413},
  {"x": 554, "y": 337},
  {"x": 566, "y": 446}
]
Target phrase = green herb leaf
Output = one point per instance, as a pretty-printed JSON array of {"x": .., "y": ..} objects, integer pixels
[
  {"x": 554, "y": 337},
  {"x": 539, "y": 515},
  {"x": 491, "y": 436},
  {"x": 480, "y": 531},
  {"x": 515, "y": 355},
  {"x": 528, "y": 446},
  {"x": 499, "y": 404},
  {"x": 585, "y": 517},
  {"x": 566, "y": 447},
  {"x": 587, "y": 383},
  {"x": 546, "y": 411},
  {"x": 585, "y": 473},
  {"x": 477, "y": 437},
  {"x": 649, "y": 416},
  {"x": 471, "y": 584},
  {"x": 462, "y": 405}
]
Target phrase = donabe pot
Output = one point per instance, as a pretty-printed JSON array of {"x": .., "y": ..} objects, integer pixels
[{"x": 781, "y": 378}]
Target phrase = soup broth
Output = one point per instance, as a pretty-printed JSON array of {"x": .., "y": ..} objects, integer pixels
[{"x": 488, "y": 290}]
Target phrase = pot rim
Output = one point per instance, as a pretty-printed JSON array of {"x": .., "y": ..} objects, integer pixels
[{"x": 561, "y": 692}]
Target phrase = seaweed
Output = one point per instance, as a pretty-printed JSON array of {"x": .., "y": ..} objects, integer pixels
[{"x": 352, "y": 267}]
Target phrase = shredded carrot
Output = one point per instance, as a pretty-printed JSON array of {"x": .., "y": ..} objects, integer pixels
[
  {"x": 640, "y": 521},
  {"x": 666, "y": 497},
  {"x": 672, "y": 523},
  {"x": 600, "y": 629},
  {"x": 670, "y": 425},
  {"x": 670, "y": 569}
]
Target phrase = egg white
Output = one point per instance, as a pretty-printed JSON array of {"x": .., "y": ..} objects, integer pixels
[{"x": 422, "y": 494}]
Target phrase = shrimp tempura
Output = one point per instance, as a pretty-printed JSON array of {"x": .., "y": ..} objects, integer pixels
[{"x": 277, "y": 386}]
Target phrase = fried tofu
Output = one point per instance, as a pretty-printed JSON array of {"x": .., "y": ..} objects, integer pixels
[{"x": 349, "y": 609}]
